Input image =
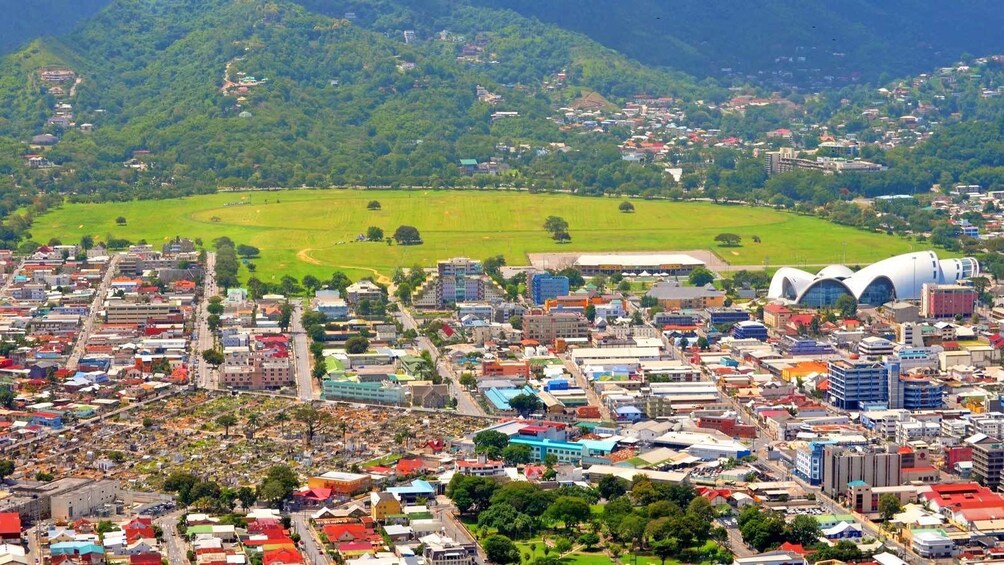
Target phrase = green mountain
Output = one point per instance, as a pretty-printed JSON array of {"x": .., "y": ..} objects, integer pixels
[
  {"x": 822, "y": 43},
  {"x": 188, "y": 95},
  {"x": 26, "y": 21}
]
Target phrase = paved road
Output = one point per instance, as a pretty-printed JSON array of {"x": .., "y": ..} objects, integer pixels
[
  {"x": 203, "y": 338},
  {"x": 735, "y": 541},
  {"x": 466, "y": 404},
  {"x": 5, "y": 289},
  {"x": 301, "y": 356},
  {"x": 177, "y": 548},
  {"x": 580, "y": 381},
  {"x": 34, "y": 535},
  {"x": 312, "y": 549},
  {"x": 96, "y": 304},
  {"x": 453, "y": 528}
]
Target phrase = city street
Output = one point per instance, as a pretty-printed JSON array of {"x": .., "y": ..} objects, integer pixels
[
  {"x": 466, "y": 404},
  {"x": 203, "y": 338},
  {"x": 452, "y": 527},
  {"x": 177, "y": 548},
  {"x": 301, "y": 355},
  {"x": 313, "y": 551},
  {"x": 88, "y": 325},
  {"x": 580, "y": 381}
]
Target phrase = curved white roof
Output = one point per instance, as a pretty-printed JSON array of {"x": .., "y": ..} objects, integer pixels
[
  {"x": 835, "y": 272},
  {"x": 908, "y": 273}
]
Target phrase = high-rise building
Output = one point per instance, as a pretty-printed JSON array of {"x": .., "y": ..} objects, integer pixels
[
  {"x": 457, "y": 280},
  {"x": 988, "y": 460},
  {"x": 895, "y": 385},
  {"x": 545, "y": 286},
  {"x": 842, "y": 465},
  {"x": 854, "y": 383}
]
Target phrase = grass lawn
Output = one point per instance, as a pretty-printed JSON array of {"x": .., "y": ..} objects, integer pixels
[{"x": 312, "y": 231}]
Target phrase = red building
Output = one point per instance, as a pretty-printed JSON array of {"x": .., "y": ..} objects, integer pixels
[
  {"x": 957, "y": 454},
  {"x": 947, "y": 301},
  {"x": 728, "y": 424}
]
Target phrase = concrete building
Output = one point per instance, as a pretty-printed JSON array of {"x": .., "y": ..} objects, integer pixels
[
  {"x": 853, "y": 383},
  {"x": 947, "y": 300},
  {"x": 132, "y": 313},
  {"x": 457, "y": 280},
  {"x": 842, "y": 465},
  {"x": 354, "y": 390},
  {"x": 363, "y": 290},
  {"x": 897, "y": 278},
  {"x": 83, "y": 501},
  {"x": 341, "y": 482},
  {"x": 673, "y": 296},
  {"x": 546, "y": 328},
  {"x": 988, "y": 459},
  {"x": 329, "y": 303}
]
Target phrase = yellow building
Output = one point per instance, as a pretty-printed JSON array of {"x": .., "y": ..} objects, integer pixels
[
  {"x": 383, "y": 504},
  {"x": 803, "y": 369}
]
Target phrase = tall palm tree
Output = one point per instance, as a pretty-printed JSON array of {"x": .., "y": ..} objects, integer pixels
[
  {"x": 282, "y": 418},
  {"x": 253, "y": 423}
]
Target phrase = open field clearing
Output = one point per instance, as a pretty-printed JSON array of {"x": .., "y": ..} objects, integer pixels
[{"x": 307, "y": 231}]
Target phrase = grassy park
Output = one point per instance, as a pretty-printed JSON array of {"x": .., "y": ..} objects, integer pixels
[{"x": 313, "y": 231}]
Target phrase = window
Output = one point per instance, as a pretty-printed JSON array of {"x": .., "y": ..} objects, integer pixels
[{"x": 823, "y": 293}]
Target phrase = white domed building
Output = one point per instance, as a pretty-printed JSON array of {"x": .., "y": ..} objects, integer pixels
[{"x": 898, "y": 278}]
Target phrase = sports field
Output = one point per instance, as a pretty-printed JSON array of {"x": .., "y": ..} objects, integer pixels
[{"x": 313, "y": 232}]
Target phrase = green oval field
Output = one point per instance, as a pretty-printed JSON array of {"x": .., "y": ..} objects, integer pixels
[{"x": 313, "y": 231}]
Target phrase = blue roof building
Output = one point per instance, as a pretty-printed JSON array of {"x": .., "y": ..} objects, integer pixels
[{"x": 499, "y": 397}]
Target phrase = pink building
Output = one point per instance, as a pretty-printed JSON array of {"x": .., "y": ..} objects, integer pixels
[{"x": 947, "y": 300}]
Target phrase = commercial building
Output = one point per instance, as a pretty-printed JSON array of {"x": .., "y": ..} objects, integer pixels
[
  {"x": 673, "y": 296},
  {"x": 354, "y": 390},
  {"x": 988, "y": 459},
  {"x": 654, "y": 264},
  {"x": 66, "y": 496},
  {"x": 897, "y": 278},
  {"x": 545, "y": 286},
  {"x": 749, "y": 330},
  {"x": 922, "y": 392},
  {"x": 809, "y": 461},
  {"x": 457, "y": 280},
  {"x": 546, "y": 328},
  {"x": 842, "y": 465},
  {"x": 440, "y": 550},
  {"x": 341, "y": 482},
  {"x": 789, "y": 159},
  {"x": 567, "y": 452},
  {"x": 258, "y": 373},
  {"x": 853, "y": 383},
  {"x": 363, "y": 290},
  {"x": 947, "y": 300},
  {"x": 875, "y": 347},
  {"x": 132, "y": 313},
  {"x": 933, "y": 544},
  {"x": 331, "y": 304}
]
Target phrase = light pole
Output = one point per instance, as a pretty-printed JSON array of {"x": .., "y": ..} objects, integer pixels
[{"x": 914, "y": 289}]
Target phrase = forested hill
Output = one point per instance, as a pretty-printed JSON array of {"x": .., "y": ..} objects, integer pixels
[
  {"x": 796, "y": 41},
  {"x": 183, "y": 95},
  {"x": 24, "y": 21}
]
